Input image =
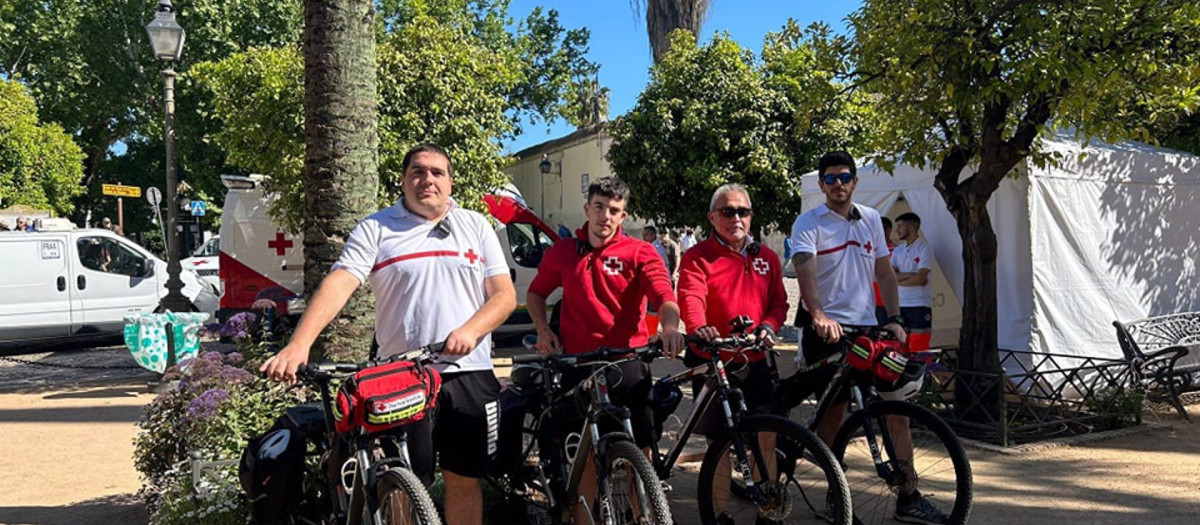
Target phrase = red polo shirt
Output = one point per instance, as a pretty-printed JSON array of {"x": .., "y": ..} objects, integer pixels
[
  {"x": 717, "y": 283},
  {"x": 605, "y": 289}
]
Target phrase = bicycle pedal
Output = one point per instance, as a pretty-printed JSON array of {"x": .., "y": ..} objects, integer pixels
[{"x": 666, "y": 487}]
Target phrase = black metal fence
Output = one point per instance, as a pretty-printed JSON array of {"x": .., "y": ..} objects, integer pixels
[{"x": 1044, "y": 396}]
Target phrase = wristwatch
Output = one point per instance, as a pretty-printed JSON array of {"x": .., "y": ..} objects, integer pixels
[{"x": 896, "y": 319}]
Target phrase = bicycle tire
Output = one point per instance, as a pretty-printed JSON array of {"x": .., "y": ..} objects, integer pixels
[
  {"x": 625, "y": 452},
  {"x": 934, "y": 442},
  {"x": 400, "y": 482},
  {"x": 807, "y": 479}
]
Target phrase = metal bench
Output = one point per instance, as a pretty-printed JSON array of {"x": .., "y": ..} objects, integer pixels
[{"x": 1153, "y": 347}]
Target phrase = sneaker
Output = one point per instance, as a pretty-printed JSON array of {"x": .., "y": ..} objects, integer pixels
[
  {"x": 919, "y": 510},
  {"x": 725, "y": 519}
]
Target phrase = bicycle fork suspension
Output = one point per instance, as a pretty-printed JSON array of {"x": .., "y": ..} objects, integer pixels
[{"x": 881, "y": 465}]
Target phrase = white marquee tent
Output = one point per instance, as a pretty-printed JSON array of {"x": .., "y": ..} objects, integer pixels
[{"x": 1112, "y": 234}]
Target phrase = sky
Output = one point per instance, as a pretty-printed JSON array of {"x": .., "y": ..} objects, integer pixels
[{"x": 620, "y": 46}]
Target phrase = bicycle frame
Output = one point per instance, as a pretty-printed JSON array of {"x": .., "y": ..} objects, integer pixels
[
  {"x": 716, "y": 387},
  {"x": 845, "y": 378}
]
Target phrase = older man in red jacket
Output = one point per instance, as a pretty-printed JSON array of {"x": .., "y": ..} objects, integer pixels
[{"x": 726, "y": 276}]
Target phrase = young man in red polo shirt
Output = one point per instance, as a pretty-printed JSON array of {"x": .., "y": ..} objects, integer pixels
[
  {"x": 725, "y": 276},
  {"x": 607, "y": 278}
]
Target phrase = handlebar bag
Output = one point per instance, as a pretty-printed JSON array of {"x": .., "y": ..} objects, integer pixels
[
  {"x": 862, "y": 354},
  {"x": 386, "y": 396},
  {"x": 892, "y": 360}
]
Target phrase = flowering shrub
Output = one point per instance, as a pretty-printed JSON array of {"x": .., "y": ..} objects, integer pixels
[
  {"x": 216, "y": 405},
  {"x": 258, "y": 334}
]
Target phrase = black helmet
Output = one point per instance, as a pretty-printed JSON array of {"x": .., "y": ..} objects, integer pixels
[{"x": 664, "y": 399}]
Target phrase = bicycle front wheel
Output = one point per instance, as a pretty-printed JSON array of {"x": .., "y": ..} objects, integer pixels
[
  {"x": 635, "y": 496},
  {"x": 934, "y": 485},
  {"x": 803, "y": 484},
  {"x": 403, "y": 499}
]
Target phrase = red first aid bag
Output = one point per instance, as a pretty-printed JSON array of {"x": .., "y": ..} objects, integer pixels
[
  {"x": 386, "y": 396},
  {"x": 862, "y": 353}
]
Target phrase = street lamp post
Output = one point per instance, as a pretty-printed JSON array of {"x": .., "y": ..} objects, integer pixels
[{"x": 167, "y": 38}]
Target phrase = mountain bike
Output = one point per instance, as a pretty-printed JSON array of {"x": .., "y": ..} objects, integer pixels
[
  {"x": 364, "y": 477},
  {"x": 810, "y": 472},
  {"x": 542, "y": 462},
  {"x": 869, "y": 443}
]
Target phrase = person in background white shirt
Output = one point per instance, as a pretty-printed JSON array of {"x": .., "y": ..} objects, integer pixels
[
  {"x": 913, "y": 263},
  {"x": 687, "y": 240}
]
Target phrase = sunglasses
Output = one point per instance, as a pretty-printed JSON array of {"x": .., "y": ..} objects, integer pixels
[
  {"x": 731, "y": 212},
  {"x": 830, "y": 178}
]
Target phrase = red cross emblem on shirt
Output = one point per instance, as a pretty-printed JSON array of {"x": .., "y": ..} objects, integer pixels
[
  {"x": 917, "y": 260},
  {"x": 760, "y": 266},
  {"x": 280, "y": 245},
  {"x": 868, "y": 246},
  {"x": 613, "y": 265},
  {"x": 471, "y": 255}
]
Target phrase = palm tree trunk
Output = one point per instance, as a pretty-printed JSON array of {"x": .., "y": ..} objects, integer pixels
[{"x": 340, "y": 154}]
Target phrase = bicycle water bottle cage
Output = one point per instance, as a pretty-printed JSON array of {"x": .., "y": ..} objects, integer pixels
[{"x": 862, "y": 353}]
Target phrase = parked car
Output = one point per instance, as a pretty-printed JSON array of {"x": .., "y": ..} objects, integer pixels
[{"x": 62, "y": 283}]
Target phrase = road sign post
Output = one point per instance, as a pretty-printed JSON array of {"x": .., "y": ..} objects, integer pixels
[{"x": 119, "y": 191}]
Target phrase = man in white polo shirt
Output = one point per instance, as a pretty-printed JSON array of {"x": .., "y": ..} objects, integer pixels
[
  {"x": 913, "y": 264},
  {"x": 839, "y": 249},
  {"x": 438, "y": 274}
]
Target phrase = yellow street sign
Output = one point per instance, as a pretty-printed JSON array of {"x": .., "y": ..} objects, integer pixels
[{"x": 117, "y": 190}]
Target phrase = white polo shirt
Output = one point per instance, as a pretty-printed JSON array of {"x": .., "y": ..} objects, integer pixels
[
  {"x": 426, "y": 283},
  {"x": 911, "y": 258},
  {"x": 846, "y": 251}
]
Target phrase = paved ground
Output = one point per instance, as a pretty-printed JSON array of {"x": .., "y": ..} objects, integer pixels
[{"x": 53, "y": 418}]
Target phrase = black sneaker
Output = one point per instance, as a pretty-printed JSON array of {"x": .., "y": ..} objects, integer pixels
[
  {"x": 917, "y": 509},
  {"x": 725, "y": 519}
]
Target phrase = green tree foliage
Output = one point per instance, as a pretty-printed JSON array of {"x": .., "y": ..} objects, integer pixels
[
  {"x": 967, "y": 87},
  {"x": 89, "y": 67},
  {"x": 714, "y": 114},
  {"x": 40, "y": 165},
  {"x": 450, "y": 72}
]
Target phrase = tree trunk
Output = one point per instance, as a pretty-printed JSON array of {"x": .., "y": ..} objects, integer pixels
[
  {"x": 977, "y": 397},
  {"x": 340, "y": 154}
]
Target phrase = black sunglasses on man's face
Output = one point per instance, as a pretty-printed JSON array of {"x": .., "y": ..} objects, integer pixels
[
  {"x": 830, "y": 178},
  {"x": 731, "y": 212}
]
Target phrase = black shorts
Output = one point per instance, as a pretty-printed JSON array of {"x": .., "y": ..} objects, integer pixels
[
  {"x": 816, "y": 348},
  {"x": 464, "y": 430},
  {"x": 917, "y": 317},
  {"x": 629, "y": 386},
  {"x": 753, "y": 379}
]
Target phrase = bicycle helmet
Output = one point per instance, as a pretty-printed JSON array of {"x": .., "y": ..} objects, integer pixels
[
  {"x": 525, "y": 378},
  {"x": 664, "y": 399},
  {"x": 907, "y": 386}
]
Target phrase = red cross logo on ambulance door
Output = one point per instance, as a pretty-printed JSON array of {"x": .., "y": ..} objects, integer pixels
[
  {"x": 760, "y": 266},
  {"x": 613, "y": 265},
  {"x": 279, "y": 244}
]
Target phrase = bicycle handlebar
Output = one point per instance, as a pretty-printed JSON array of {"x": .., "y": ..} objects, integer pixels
[
  {"x": 649, "y": 351},
  {"x": 731, "y": 343},
  {"x": 324, "y": 370}
]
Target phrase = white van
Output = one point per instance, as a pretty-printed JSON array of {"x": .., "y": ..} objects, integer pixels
[
  {"x": 259, "y": 260},
  {"x": 205, "y": 263},
  {"x": 62, "y": 283}
]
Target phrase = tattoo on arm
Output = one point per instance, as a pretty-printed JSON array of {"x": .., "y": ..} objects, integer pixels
[{"x": 801, "y": 258}]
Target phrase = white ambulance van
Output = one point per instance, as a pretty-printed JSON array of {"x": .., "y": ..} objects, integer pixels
[
  {"x": 62, "y": 283},
  {"x": 259, "y": 260}
]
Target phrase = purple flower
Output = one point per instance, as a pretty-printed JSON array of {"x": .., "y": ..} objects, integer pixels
[
  {"x": 205, "y": 405},
  {"x": 239, "y": 324},
  {"x": 212, "y": 356},
  {"x": 235, "y": 358}
]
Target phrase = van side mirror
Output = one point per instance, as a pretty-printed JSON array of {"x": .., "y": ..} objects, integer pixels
[{"x": 147, "y": 267}]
